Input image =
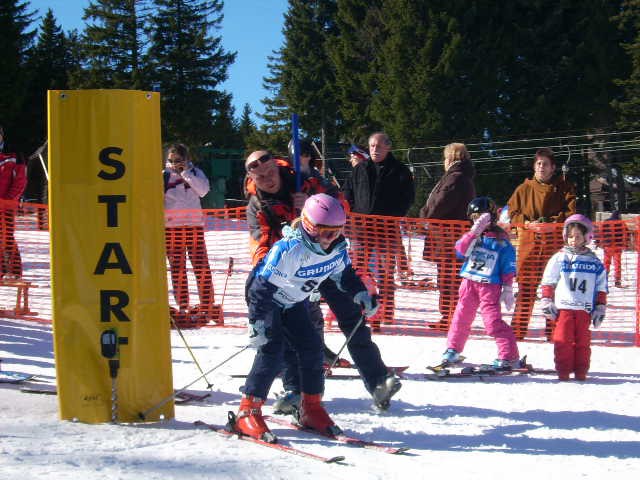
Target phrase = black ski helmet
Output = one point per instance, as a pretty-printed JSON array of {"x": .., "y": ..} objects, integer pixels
[
  {"x": 483, "y": 205},
  {"x": 305, "y": 149}
]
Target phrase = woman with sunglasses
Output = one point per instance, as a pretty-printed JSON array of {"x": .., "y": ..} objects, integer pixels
[{"x": 184, "y": 185}]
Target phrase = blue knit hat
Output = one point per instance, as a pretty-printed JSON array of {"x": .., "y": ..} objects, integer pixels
[{"x": 358, "y": 151}]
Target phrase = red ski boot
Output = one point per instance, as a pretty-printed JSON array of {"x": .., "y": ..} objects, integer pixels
[
  {"x": 313, "y": 415},
  {"x": 249, "y": 420}
]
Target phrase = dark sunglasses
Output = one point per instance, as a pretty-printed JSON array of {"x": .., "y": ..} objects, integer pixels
[{"x": 258, "y": 161}]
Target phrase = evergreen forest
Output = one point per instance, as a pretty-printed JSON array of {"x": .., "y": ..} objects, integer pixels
[{"x": 505, "y": 77}]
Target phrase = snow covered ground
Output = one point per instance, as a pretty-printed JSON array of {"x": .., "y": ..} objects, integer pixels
[{"x": 524, "y": 427}]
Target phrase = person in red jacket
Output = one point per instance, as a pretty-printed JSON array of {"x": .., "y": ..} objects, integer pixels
[{"x": 13, "y": 180}]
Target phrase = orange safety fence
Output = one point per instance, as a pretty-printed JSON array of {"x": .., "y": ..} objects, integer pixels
[{"x": 410, "y": 262}]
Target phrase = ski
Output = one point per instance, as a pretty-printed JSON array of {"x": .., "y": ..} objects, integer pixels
[
  {"x": 342, "y": 438},
  {"x": 444, "y": 365},
  {"x": 341, "y": 363},
  {"x": 40, "y": 389},
  {"x": 331, "y": 375},
  {"x": 485, "y": 370},
  {"x": 471, "y": 372},
  {"x": 277, "y": 446},
  {"x": 15, "y": 377},
  {"x": 182, "y": 398},
  {"x": 398, "y": 371}
]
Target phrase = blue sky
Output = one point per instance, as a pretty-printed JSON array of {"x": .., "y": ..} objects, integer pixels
[{"x": 252, "y": 28}]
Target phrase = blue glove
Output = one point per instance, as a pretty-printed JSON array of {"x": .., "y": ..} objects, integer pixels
[
  {"x": 368, "y": 303},
  {"x": 258, "y": 334},
  {"x": 549, "y": 309},
  {"x": 597, "y": 316}
]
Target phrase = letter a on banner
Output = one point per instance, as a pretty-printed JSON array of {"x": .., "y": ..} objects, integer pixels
[{"x": 109, "y": 283}]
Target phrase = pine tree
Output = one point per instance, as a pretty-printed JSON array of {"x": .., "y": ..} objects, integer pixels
[
  {"x": 113, "y": 44},
  {"x": 246, "y": 127},
  {"x": 17, "y": 39},
  {"x": 355, "y": 56},
  {"x": 307, "y": 77},
  {"x": 76, "y": 59},
  {"x": 628, "y": 106},
  {"x": 416, "y": 72},
  {"x": 48, "y": 68},
  {"x": 559, "y": 60},
  {"x": 275, "y": 131},
  {"x": 225, "y": 131},
  {"x": 189, "y": 63}
]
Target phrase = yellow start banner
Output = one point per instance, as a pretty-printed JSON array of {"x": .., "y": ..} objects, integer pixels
[{"x": 109, "y": 284}]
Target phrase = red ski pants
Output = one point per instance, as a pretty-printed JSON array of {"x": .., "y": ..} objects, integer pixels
[
  {"x": 572, "y": 342},
  {"x": 10, "y": 259},
  {"x": 181, "y": 241}
]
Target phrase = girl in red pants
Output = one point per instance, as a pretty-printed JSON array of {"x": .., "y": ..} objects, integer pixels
[{"x": 574, "y": 294}]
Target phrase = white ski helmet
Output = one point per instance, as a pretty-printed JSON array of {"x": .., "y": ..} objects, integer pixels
[{"x": 580, "y": 220}]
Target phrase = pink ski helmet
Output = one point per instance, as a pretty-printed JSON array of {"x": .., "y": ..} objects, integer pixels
[
  {"x": 322, "y": 211},
  {"x": 580, "y": 220}
]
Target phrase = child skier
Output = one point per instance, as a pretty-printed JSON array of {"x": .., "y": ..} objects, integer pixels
[
  {"x": 574, "y": 294},
  {"x": 487, "y": 277},
  {"x": 277, "y": 295}
]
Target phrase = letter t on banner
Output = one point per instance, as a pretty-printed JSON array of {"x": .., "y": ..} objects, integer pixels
[{"x": 108, "y": 255}]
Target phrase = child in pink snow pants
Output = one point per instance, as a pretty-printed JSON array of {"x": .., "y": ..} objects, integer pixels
[{"x": 487, "y": 277}]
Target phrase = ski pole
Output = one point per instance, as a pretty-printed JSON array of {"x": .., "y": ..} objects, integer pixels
[
  {"x": 226, "y": 280},
  {"x": 296, "y": 151},
  {"x": 109, "y": 349},
  {"x": 326, "y": 166},
  {"x": 175, "y": 325},
  {"x": 143, "y": 415},
  {"x": 335, "y": 360}
]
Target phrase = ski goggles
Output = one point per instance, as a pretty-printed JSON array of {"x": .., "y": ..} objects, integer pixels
[
  {"x": 321, "y": 231},
  {"x": 258, "y": 161}
]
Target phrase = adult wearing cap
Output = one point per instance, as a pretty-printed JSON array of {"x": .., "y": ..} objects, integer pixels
[
  {"x": 13, "y": 180},
  {"x": 448, "y": 200},
  {"x": 382, "y": 185},
  {"x": 537, "y": 202},
  {"x": 274, "y": 204}
]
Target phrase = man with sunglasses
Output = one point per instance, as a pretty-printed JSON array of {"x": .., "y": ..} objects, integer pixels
[{"x": 273, "y": 204}]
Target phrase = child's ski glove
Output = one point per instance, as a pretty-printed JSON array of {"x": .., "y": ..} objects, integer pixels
[
  {"x": 368, "y": 303},
  {"x": 506, "y": 297},
  {"x": 258, "y": 333},
  {"x": 481, "y": 224},
  {"x": 597, "y": 316},
  {"x": 549, "y": 309}
]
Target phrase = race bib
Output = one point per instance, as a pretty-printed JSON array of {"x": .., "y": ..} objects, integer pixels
[{"x": 482, "y": 262}]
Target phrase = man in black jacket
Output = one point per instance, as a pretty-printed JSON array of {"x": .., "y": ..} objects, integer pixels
[{"x": 381, "y": 185}]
